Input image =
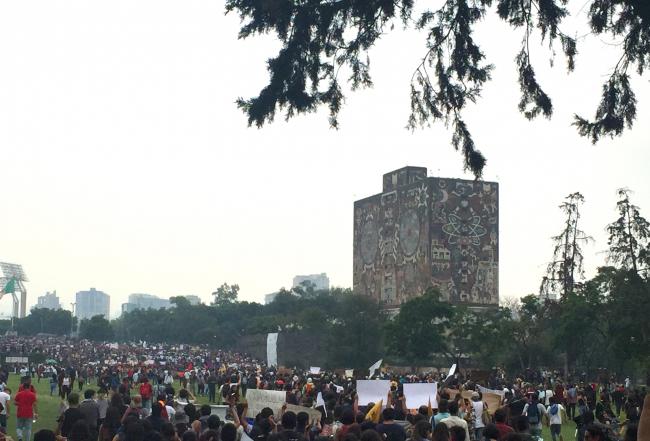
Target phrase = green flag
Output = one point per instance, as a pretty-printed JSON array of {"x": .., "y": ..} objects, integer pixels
[{"x": 10, "y": 287}]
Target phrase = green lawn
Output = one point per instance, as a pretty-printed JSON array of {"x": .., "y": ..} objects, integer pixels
[{"x": 48, "y": 408}]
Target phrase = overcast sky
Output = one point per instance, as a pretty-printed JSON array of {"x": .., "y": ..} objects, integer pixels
[{"x": 126, "y": 166}]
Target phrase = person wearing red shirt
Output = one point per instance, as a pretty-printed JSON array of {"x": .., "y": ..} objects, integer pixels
[
  {"x": 25, "y": 402},
  {"x": 146, "y": 392},
  {"x": 500, "y": 422}
]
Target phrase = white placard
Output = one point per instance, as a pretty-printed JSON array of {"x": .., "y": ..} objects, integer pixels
[
  {"x": 259, "y": 399},
  {"x": 349, "y": 373},
  {"x": 452, "y": 371},
  {"x": 314, "y": 370},
  {"x": 272, "y": 349},
  {"x": 420, "y": 394},
  {"x": 374, "y": 367},
  {"x": 371, "y": 391},
  {"x": 485, "y": 390}
]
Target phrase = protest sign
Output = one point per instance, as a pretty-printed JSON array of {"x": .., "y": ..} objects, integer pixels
[
  {"x": 493, "y": 402},
  {"x": 272, "y": 349},
  {"x": 374, "y": 367},
  {"x": 420, "y": 394},
  {"x": 452, "y": 371},
  {"x": 371, "y": 391},
  {"x": 349, "y": 373},
  {"x": 491, "y": 391},
  {"x": 314, "y": 370},
  {"x": 259, "y": 399},
  {"x": 313, "y": 413}
]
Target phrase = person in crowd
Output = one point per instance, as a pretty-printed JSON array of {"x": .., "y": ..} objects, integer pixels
[
  {"x": 554, "y": 412},
  {"x": 26, "y": 411},
  {"x": 5, "y": 402},
  {"x": 454, "y": 420},
  {"x": 90, "y": 410},
  {"x": 110, "y": 425},
  {"x": 535, "y": 412},
  {"x": 500, "y": 423}
]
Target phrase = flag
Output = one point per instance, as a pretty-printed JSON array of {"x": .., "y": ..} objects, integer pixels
[
  {"x": 10, "y": 287},
  {"x": 375, "y": 366},
  {"x": 374, "y": 413},
  {"x": 321, "y": 402}
]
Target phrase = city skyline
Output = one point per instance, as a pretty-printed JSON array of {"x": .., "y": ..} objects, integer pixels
[{"x": 132, "y": 170}]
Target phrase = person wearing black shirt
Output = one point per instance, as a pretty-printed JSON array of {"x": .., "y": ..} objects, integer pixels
[
  {"x": 391, "y": 430},
  {"x": 70, "y": 416}
]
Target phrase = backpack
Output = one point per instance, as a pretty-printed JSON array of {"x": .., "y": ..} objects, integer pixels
[
  {"x": 554, "y": 409},
  {"x": 533, "y": 414}
]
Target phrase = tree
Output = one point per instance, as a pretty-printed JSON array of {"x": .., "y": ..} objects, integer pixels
[
  {"x": 225, "y": 294},
  {"x": 629, "y": 236},
  {"x": 319, "y": 38},
  {"x": 48, "y": 321},
  {"x": 419, "y": 329},
  {"x": 97, "y": 328},
  {"x": 567, "y": 263}
]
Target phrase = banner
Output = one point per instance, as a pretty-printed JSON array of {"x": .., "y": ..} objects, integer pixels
[
  {"x": 314, "y": 414},
  {"x": 420, "y": 394},
  {"x": 452, "y": 371},
  {"x": 493, "y": 402},
  {"x": 374, "y": 367},
  {"x": 485, "y": 390},
  {"x": 259, "y": 399},
  {"x": 272, "y": 349},
  {"x": 371, "y": 391}
]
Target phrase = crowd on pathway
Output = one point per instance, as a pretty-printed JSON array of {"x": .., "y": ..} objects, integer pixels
[{"x": 112, "y": 392}]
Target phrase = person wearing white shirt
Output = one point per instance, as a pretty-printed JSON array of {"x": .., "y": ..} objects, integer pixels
[
  {"x": 454, "y": 420},
  {"x": 5, "y": 398},
  {"x": 555, "y": 418}
]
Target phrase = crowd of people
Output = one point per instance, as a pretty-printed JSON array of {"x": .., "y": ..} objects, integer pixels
[{"x": 140, "y": 392}]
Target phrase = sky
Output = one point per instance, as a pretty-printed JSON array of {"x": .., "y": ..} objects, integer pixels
[{"x": 127, "y": 167}]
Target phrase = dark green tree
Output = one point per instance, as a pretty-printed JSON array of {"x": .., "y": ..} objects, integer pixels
[
  {"x": 97, "y": 328},
  {"x": 567, "y": 264},
  {"x": 629, "y": 236},
  {"x": 323, "y": 40},
  {"x": 48, "y": 321},
  {"x": 225, "y": 294},
  {"x": 419, "y": 331}
]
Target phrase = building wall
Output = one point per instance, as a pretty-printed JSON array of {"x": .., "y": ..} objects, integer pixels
[
  {"x": 50, "y": 301},
  {"x": 91, "y": 303},
  {"x": 423, "y": 232},
  {"x": 320, "y": 281}
]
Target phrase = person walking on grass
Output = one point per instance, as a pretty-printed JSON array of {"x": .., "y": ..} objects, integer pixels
[{"x": 26, "y": 411}]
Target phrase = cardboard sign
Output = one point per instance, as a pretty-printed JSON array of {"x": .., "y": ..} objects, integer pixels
[
  {"x": 314, "y": 415},
  {"x": 493, "y": 401},
  {"x": 371, "y": 391},
  {"x": 259, "y": 399},
  {"x": 420, "y": 394}
]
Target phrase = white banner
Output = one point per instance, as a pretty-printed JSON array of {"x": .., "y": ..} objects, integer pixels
[
  {"x": 452, "y": 371},
  {"x": 259, "y": 399},
  {"x": 420, "y": 394},
  {"x": 371, "y": 391},
  {"x": 374, "y": 367},
  {"x": 491, "y": 391},
  {"x": 271, "y": 350}
]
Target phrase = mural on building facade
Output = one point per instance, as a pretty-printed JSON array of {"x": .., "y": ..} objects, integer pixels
[{"x": 427, "y": 232}]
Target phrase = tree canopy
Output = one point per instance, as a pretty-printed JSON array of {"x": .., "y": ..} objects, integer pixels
[{"x": 321, "y": 38}]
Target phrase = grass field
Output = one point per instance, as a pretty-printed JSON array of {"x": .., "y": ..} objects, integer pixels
[{"x": 48, "y": 410}]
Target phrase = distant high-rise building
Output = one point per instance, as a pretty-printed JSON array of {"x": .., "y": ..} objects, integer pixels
[
  {"x": 320, "y": 281},
  {"x": 91, "y": 303},
  {"x": 48, "y": 301},
  {"x": 194, "y": 300},
  {"x": 150, "y": 301}
]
